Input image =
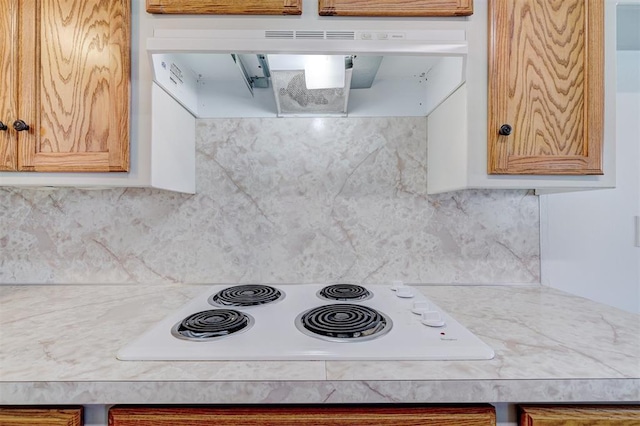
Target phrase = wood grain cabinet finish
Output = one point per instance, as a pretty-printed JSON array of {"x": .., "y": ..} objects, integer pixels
[
  {"x": 8, "y": 83},
  {"x": 546, "y": 82},
  {"x": 583, "y": 415},
  {"x": 304, "y": 415},
  {"x": 395, "y": 7},
  {"x": 66, "y": 66},
  {"x": 18, "y": 416},
  {"x": 226, "y": 7}
]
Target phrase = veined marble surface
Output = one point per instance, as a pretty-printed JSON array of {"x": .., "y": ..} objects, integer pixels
[
  {"x": 278, "y": 200},
  {"x": 58, "y": 345}
]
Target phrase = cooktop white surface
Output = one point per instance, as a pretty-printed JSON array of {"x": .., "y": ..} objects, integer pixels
[{"x": 274, "y": 335}]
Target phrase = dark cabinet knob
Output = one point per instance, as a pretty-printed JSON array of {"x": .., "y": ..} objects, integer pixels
[
  {"x": 505, "y": 130},
  {"x": 20, "y": 125},
  {"x": 3, "y": 126}
]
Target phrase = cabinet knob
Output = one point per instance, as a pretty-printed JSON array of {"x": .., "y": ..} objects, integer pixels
[
  {"x": 505, "y": 130},
  {"x": 3, "y": 126},
  {"x": 20, "y": 125}
]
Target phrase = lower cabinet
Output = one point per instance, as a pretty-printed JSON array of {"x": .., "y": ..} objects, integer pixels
[
  {"x": 570, "y": 415},
  {"x": 316, "y": 415},
  {"x": 41, "y": 416}
]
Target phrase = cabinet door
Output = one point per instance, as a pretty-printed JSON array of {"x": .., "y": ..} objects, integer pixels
[
  {"x": 614, "y": 415},
  {"x": 395, "y": 7},
  {"x": 74, "y": 85},
  {"x": 226, "y": 7},
  {"x": 546, "y": 87},
  {"x": 8, "y": 83},
  {"x": 40, "y": 416},
  {"x": 304, "y": 415}
]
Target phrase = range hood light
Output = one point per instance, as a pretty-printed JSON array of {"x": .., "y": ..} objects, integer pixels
[
  {"x": 320, "y": 71},
  {"x": 324, "y": 71}
]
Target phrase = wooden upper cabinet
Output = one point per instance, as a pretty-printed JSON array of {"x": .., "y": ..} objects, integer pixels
[
  {"x": 23, "y": 416},
  {"x": 226, "y": 7},
  {"x": 74, "y": 85},
  {"x": 316, "y": 415},
  {"x": 65, "y": 81},
  {"x": 395, "y": 7},
  {"x": 570, "y": 415},
  {"x": 546, "y": 87},
  {"x": 8, "y": 83}
]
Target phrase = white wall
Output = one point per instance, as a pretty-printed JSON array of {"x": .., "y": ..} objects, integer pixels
[{"x": 588, "y": 238}]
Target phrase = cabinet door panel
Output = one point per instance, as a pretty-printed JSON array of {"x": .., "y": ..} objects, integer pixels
[
  {"x": 40, "y": 416},
  {"x": 569, "y": 415},
  {"x": 546, "y": 80},
  {"x": 8, "y": 82},
  {"x": 395, "y": 7},
  {"x": 75, "y": 91},
  {"x": 226, "y": 7},
  {"x": 303, "y": 415}
]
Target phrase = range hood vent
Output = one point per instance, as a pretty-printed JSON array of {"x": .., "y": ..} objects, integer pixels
[
  {"x": 282, "y": 35},
  {"x": 309, "y": 35}
]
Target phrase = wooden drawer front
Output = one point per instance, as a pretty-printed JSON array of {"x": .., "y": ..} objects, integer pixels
[
  {"x": 395, "y": 7},
  {"x": 226, "y": 7},
  {"x": 304, "y": 415},
  {"x": 23, "y": 416},
  {"x": 582, "y": 415}
]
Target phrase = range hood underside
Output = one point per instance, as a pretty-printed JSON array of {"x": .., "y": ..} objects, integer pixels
[{"x": 407, "y": 79}]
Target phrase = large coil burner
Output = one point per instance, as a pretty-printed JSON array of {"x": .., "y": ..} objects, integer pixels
[
  {"x": 344, "y": 292},
  {"x": 246, "y": 295},
  {"x": 343, "y": 322},
  {"x": 212, "y": 324}
]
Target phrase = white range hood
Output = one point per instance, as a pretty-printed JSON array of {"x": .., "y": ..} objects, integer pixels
[
  {"x": 392, "y": 68},
  {"x": 240, "y": 73}
]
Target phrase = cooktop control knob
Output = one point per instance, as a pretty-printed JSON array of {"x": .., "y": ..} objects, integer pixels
[
  {"x": 420, "y": 306},
  {"x": 395, "y": 285},
  {"x": 432, "y": 319},
  {"x": 404, "y": 292}
]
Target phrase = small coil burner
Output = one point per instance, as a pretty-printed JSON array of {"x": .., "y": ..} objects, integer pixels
[
  {"x": 212, "y": 324},
  {"x": 343, "y": 322},
  {"x": 246, "y": 295},
  {"x": 344, "y": 292}
]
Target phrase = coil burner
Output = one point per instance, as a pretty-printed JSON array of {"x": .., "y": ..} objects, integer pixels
[
  {"x": 345, "y": 292},
  {"x": 212, "y": 324},
  {"x": 246, "y": 295},
  {"x": 343, "y": 322}
]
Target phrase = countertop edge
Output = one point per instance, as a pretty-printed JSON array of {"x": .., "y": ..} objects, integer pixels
[{"x": 320, "y": 391}]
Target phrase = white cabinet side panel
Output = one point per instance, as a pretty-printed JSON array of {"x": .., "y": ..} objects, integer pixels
[
  {"x": 447, "y": 144},
  {"x": 173, "y": 153},
  {"x": 443, "y": 79},
  {"x": 174, "y": 75}
]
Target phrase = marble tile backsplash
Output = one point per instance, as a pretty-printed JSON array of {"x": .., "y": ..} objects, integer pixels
[{"x": 278, "y": 201}]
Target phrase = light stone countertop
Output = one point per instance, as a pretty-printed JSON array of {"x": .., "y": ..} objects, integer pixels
[{"x": 58, "y": 345}]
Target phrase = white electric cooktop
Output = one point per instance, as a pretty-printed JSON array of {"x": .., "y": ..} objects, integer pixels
[{"x": 369, "y": 322}]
